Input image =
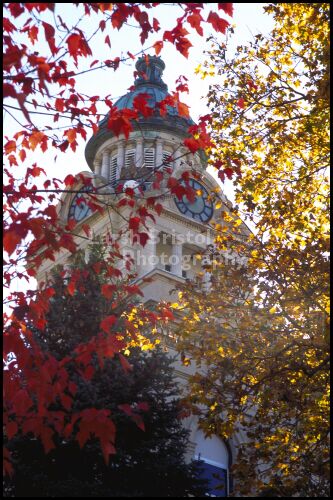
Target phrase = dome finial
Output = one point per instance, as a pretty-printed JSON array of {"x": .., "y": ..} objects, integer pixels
[{"x": 150, "y": 69}]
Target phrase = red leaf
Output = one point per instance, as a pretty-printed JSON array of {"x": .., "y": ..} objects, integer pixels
[
  {"x": 228, "y": 172},
  {"x": 72, "y": 388},
  {"x": 12, "y": 160},
  {"x": 69, "y": 180},
  {"x": 167, "y": 314},
  {"x": 33, "y": 34},
  {"x": 126, "y": 409},
  {"x": 156, "y": 24},
  {"x": 178, "y": 38},
  {"x": 97, "y": 267},
  {"x": 10, "y": 147},
  {"x": 220, "y": 25},
  {"x": 16, "y": 9},
  {"x": 107, "y": 323},
  {"x": 59, "y": 105},
  {"x": 195, "y": 21},
  {"x": 140, "y": 104},
  {"x": 125, "y": 364},
  {"x": 107, "y": 41},
  {"x": 78, "y": 46},
  {"x": 11, "y": 240},
  {"x": 46, "y": 437},
  {"x": 37, "y": 138},
  {"x": 108, "y": 290},
  {"x": 71, "y": 288},
  {"x": 8, "y": 26},
  {"x": 22, "y": 155},
  {"x": 11, "y": 429},
  {"x": 227, "y": 7},
  {"x": 107, "y": 449},
  {"x": 241, "y": 103},
  {"x": 134, "y": 223},
  {"x": 192, "y": 144},
  {"x": 119, "y": 16},
  {"x": 71, "y": 135},
  {"x": 66, "y": 401},
  {"x": 9, "y": 90},
  {"x": 143, "y": 406},
  {"x": 86, "y": 229},
  {"x": 49, "y": 30},
  {"x": 158, "y": 46},
  {"x": 139, "y": 422},
  {"x": 120, "y": 123},
  {"x": 88, "y": 372},
  {"x": 143, "y": 238},
  {"x": 22, "y": 402},
  {"x": 49, "y": 292},
  {"x": 183, "y": 109}
]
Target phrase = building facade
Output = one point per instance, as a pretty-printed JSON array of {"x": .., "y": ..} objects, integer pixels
[{"x": 181, "y": 231}]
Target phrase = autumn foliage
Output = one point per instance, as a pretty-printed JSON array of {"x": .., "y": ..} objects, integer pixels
[
  {"x": 111, "y": 417},
  {"x": 44, "y": 56},
  {"x": 262, "y": 331}
]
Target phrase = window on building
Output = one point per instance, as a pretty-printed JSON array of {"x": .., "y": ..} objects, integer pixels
[
  {"x": 166, "y": 156},
  {"x": 113, "y": 169},
  {"x": 130, "y": 158},
  {"x": 217, "y": 479},
  {"x": 214, "y": 457},
  {"x": 149, "y": 157}
]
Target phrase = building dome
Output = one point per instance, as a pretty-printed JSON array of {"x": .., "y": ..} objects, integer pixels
[{"x": 149, "y": 81}]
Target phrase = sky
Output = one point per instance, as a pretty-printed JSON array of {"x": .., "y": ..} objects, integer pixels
[{"x": 248, "y": 20}]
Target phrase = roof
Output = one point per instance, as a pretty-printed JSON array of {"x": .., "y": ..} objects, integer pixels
[{"x": 148, "y": 81}]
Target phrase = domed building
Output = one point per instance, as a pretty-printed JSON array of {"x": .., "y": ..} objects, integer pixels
[{"x": 181, "y": 231}]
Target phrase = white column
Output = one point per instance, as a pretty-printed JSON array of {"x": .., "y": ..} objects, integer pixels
[
  {"x": 159, "y": 153},
  {"x": 97, "y": 165},
  {"x": 139, "y": 157},
  {"x": 176, "y": 258},
  {"x": 120, "y": 157},
  {"x": 105, "y": 164},
  {"x": 207, "y": 281},
  {"x": 206, "y": 262}
]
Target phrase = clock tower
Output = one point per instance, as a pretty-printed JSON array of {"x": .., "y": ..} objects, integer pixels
[{"x": 183, "y": 229}]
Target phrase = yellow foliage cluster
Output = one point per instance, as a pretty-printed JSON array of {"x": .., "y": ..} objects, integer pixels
[{"x": 263, "y": 356}]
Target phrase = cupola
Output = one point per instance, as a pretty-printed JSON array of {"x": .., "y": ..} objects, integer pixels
[{"x": 148, "y": 81}]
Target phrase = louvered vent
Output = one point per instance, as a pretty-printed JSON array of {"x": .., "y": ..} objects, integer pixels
[
  {"x": 130, "y": 158},
  {"x": 149, "y": 157},
  {"x": 113, "y": 169},
  {"x": 166, "y": 159}
]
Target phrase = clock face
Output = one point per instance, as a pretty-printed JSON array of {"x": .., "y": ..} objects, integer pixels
[
  {"x": 79, "y": 208},
  {"x": 201, "y": 209}
]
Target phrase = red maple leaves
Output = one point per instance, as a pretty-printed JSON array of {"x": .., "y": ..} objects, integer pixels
[
  {"x": 78, "y": 46},
  {"x": 33, "y": 233},
  {"x": 220, "y": 25}
]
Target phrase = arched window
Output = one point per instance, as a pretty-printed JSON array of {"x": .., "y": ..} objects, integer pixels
[{"x": 215, "y": 456}]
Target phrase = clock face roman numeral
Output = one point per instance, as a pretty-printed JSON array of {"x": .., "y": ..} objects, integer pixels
[{"x": 201, "y": 209}]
